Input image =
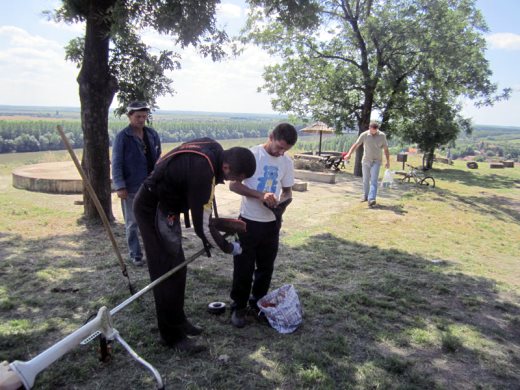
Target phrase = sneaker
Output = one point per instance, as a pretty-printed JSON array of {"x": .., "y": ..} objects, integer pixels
[
  {"x": 363, "y": 199},
  {"x": 190, "y": 329},
  {"x": 371, "y": 203},
  {"x": 238, "y": 318},
  {"x": 137, "y": 262}
]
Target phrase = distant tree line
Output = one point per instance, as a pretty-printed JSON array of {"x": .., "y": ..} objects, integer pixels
[
  {"x": 41, "y": 135},
  {"x": 484, "y": 150}
]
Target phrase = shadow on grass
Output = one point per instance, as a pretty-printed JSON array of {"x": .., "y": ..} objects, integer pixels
[
  {"x": 387, "y": 319},
  {"x": 499, "y": 207},
  {"x": 397, "y": 209},
  {"x": 373, "y": 318},
  {"x": 472, "y": 178},
  {"x": 51, "y": 282}
]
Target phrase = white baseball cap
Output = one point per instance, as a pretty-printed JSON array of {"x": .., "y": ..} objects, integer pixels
[{"x": 137, "y": 106}]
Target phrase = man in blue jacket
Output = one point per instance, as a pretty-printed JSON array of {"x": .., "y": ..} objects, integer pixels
[{"x": 135, "y": 151}]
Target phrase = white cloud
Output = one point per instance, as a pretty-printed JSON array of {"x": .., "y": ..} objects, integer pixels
[
  {"x": 33, "y": 70},
  {"x": 18, "y": 37},
  {"x": 230, "y": 11},
  {"x": 505, "y": 41},
  {"x": 230, "y": 85},
  {"x": 158, "y": 41}
]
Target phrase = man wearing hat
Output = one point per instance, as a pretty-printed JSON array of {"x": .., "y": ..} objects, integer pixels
[{"x": 135, "y": 151}]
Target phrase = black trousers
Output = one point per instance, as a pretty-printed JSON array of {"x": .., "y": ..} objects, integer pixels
[
  {"x": 253, "y": 269},
  {"x": 161, "y": 257}
]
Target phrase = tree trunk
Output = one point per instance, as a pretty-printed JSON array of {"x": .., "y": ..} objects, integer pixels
[
  {"x": 96, "y": 91},
  {"x": 428, "y": 159}
]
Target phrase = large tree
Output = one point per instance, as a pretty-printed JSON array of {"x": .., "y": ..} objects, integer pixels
[
  {"x": 113, "y": 60},
  {"x": 345, "y": 61}
]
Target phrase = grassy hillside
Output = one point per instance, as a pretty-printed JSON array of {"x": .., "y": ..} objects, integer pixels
[{"x": 421, "y": 292}]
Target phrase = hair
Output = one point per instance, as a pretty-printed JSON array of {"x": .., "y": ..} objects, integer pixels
[
  {"x": 285, "y": 132},
  {"x": 373, "y": 125},
  {"x": 241, "y": 161}
]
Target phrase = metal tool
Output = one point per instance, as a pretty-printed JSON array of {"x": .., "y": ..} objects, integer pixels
[{"x": 100, "y": 325}]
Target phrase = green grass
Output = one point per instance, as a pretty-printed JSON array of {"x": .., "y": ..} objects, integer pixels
[{"x": 421, "y": 292}]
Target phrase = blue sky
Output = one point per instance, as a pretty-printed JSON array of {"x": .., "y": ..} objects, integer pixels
[{"x": 33, "y": 70}]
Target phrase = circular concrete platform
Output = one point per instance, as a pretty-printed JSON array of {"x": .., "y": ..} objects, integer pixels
[{"x": 53, "y": 177}]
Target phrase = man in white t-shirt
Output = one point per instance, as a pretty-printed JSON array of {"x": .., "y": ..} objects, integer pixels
[{"x": 270, "y": 185}]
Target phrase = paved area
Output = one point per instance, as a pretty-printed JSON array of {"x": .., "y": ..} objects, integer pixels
[
  {"x": 347, "y": 188},
  {"x": 229, "y": 202}
]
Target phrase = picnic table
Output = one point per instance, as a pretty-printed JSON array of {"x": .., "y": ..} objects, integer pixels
[{"x": 330, "y": 160}]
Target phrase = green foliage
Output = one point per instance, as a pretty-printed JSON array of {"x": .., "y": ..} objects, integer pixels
[
  {"x": 434, "y": 122},
  {"x": 398, "y": 58}
]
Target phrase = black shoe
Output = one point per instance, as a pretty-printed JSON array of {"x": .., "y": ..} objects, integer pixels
[
  {"x": 185, "y": 345},
  {"x": 371, "y": 203},
  {"x": 238, "y": 318},
  {"x": 190, "y": 329},
  {"x": 262, "y": 318},
  {"x": 253, "y": 305}
]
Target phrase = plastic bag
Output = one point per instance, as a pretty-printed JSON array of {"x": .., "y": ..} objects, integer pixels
[
  {"x": 282, "y": 308},
  {"x": 388, "y": 178}
]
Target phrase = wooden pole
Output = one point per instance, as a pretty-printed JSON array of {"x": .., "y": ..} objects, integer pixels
[{"x": 99, "y": 208}]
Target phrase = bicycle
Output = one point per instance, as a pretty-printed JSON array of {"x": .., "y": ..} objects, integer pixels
[{"x": 418, "y": 177}]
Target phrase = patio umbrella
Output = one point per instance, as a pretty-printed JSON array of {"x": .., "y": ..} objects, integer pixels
[{"x": 318, "y": 127}]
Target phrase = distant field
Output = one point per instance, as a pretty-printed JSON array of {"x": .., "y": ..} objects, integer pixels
[{"x": 29, "y": 129}]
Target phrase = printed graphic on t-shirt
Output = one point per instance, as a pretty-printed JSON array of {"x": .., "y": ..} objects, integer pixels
[{"x": 269, "y": 181}]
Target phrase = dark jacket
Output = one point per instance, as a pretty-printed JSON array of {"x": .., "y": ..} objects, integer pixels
[
  {"x": 129, "y": 163},
  {"x": 184, "y": 179}
]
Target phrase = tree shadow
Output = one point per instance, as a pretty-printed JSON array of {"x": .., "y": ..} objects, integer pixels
[
  {"x": 472, "y": 178},
  {"x": 402, "y": 320},
  {"x": 373, "y": 318},
  {"x": 500, "y": 207},
  {"x": 49, "y": 281},
  {"x": 397, "y": 209}
]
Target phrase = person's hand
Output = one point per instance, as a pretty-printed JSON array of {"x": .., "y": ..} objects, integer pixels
[
  {"x": 237, "y": 249},
  {"x": 122, "y": 193},
  {"x": 270, "y": 199},
  {"x": 346, "y": 157},
  {"x": 387, "y": 165}
]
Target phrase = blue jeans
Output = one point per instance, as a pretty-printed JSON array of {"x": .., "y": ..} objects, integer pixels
[
  {"x": 131, "y": 229},
  {"x": 370, "y": 171}
]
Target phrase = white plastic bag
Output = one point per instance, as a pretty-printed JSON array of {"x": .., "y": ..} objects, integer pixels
[
  {"x": 388, "y": 178},
  {"x": 282, "y": 308}
]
